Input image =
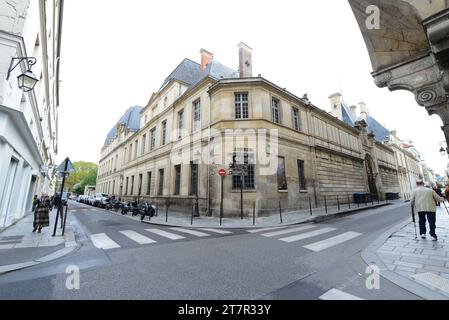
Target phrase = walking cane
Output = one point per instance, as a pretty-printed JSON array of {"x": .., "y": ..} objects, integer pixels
[
  {"x": 444, "y": 203},
  {"x": 414, "y": 221}
]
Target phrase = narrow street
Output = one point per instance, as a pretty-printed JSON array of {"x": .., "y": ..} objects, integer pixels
[{"x": 122, "y": 258}]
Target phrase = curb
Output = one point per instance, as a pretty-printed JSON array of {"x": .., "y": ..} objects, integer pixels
[
  {"x": 316, "y": 219},
  {"x": 371, "y": 258},
  {"x": 70, "y": 246}
]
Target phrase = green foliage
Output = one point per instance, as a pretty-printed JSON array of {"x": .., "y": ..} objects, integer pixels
[{"x": 85, "y": 174}]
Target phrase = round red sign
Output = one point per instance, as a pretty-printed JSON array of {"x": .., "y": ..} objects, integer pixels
[{"x": 222, "y": 172}]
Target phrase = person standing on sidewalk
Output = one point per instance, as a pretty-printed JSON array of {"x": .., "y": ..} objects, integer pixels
[
  {"x": 41, "y": 213},
  {"x": 424, "y": 199}
]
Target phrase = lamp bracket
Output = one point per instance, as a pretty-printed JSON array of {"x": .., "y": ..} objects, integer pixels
[{"x": 31, "y": 62}]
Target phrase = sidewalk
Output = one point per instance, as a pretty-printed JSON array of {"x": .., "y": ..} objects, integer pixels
[
  {"x": 420, "y": 266},
  {"x": 179, "y": 219},
  {"x": 20, "y": 248}
]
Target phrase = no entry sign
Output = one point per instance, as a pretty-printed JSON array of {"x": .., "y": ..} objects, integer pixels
[{"x": 222, "y": 172}]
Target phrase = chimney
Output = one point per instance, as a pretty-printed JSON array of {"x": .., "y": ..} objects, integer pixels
[
  {"x": 336, "y": 99},
  {"x": 363, "y": 111},
  {"x": 245, "y": 60},
  {"x": 206, "y": 58}
]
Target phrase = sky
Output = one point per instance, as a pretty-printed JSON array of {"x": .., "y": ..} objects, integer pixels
[{"x": 115, "y": 54}]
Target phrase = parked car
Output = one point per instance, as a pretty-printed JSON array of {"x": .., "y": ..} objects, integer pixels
[
  {"x": 101, "y": 200},
  {"x": 91, "y": 200}
]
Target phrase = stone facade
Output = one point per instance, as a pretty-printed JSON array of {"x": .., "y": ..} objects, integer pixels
[{"x": 311, "y": 153}]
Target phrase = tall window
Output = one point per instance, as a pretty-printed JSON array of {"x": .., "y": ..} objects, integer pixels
[
  {"x": 193, "y": 178},
  {"x": 241, "y": 105},
  {"x": 130, "y": 151},
  {"x": 301, "y": 175},
  {"x": 247, "y": 168},
  {"x": 153, "y": 138},
  {"x": 132, "y": 186},
  {"x": 126, "y": 186},
  {"x": 144, "y": 142},
  {"x": 196, "y": 116},
  {"x": 124, "y": 155},
  {"x": 164, "y": 132},
  {"x": 282, "y": 179},
  {"x": 161, "y": 182},
  {"x": 136, "y": 147},
  {"x": 116, "y": 162},
  {"x": 275, "y": 111},
  {"x": 148, "y": 183},
  {"x": 177, "y": 179},
  {"x": 180, "y": 123},
  {"x": 139, "y": 186},
  {"x": 295, "y": 119},
  {"x": 113, "y": 187}
]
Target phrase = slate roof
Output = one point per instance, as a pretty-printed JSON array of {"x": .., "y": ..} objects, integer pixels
[
  {"x": 131, "y": 120},
  {"x": 189, "y": 72},
  {"x": 381, "y": 134}
]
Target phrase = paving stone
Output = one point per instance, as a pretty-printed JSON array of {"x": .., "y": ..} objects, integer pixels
[
  {"x": 409, "y": 264},
  {"x": 405, "y": 273},
  {"x": 436, "y": 269},
  {"x": 444, "y": 275},
  {"x": 390, "y": 266},
  {"x": 408, "y": 269},
  {"x": 386, "y": 248},
  {"x": 416, "y": 255},
  {"x": 404, "y": 249},
  {"x": 424, "y": 261},
  {"x": 7, "y": 246},
  {"x": 435, "y": 253}
]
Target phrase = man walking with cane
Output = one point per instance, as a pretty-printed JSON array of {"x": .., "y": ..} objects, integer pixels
[{"x": 424, "y": 199}]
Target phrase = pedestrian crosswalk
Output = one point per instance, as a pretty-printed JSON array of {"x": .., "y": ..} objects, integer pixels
[
  {"x": 308, "y": 236},
  {"x": 307, "y": 233},
  {"x": 152, "y": 236},
  {"x": 335, "y": 294}
]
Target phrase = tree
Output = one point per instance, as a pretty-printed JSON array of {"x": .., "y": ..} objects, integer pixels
[{"x": 83, "y": 169}]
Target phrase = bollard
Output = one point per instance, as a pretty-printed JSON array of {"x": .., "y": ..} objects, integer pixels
[
  {"x": 191, "y": 220},
  {"x": 166, "y": 211},
  {"x": 349, "y": 201},
  {"x": 325, "y": 204},
  {"x": 338, "y": 203},
  {"x": 280, "y": 211},
  {"x": 65, "y": 218},
  {"x": 157, "y": 209},
  {"x": 372, "y": 200},
  {"x": 310, "y": 206},
  {"x": 254, "y": 213}
]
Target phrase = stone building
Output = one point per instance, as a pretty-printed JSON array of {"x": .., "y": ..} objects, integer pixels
[
  {"x": 28, "y": 120},
  {"x": 207, "y": 116}
]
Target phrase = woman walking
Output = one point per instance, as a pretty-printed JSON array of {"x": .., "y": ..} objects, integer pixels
[{"x": 41, "y": 216}]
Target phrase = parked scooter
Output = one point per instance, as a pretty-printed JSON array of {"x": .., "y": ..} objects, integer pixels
[
  {"x": 125, "y": 207},
  {"x": 147, "y": 209},
  {"x": 135, "y": 209}
]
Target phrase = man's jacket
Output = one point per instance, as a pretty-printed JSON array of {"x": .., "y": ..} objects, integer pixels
[{"x": 424, "y": 199}]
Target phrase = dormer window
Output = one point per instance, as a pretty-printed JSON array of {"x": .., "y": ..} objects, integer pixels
[{"x": 165, "y": 102}]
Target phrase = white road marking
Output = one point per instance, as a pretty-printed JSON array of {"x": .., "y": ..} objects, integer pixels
[
  {"x": 285, "y": 231},
  {"x": 264, "y": 229},
  {"x": 165, "y": 234},
  {"x": 307, "y": 235},
  {"x": 102, "y": 241},
  {"x": 330, "y": 242},
  {"x": 192, "y": 232},
  {"x": 218, "y": 231},
  {"x": 335, "y": 294},
  {"x": 137, "y": 237}
]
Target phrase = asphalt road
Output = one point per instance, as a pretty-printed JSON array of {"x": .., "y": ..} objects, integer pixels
[{"x": 136, "y": 263}]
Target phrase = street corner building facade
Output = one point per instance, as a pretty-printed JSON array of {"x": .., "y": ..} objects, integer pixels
[
  {"x": 277, "y": 149},
  {"x": 30, "y": 42}
]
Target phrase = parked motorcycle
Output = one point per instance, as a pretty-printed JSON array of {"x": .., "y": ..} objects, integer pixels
[
  {"x": 125, "y": 207},
  {"x": 147, "y": 209},
  {"x": 135, "y": 209}
]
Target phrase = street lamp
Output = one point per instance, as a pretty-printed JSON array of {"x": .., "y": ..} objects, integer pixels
[{"x": 27, "y": 80}]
